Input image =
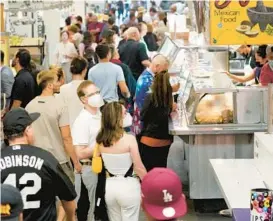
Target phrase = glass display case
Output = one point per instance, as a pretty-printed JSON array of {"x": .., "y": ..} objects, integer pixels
[
  {"x": 207, "y": 96},
  {"x": 188, "y": 56},
  {"x": 214, "y": 101},
  {"x": 168, "y": 48}
]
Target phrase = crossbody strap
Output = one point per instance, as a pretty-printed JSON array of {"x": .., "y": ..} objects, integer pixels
[{"x": 129, "y": 173}]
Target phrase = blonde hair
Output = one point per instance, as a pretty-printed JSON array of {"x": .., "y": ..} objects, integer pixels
[
  {"x": 132, "y": 31},
  {"x": 45, "y": 77},
  {"x": 73, "y": 28},
  {"x": 161, "y": 16},
  {"x": 150, "y": 28},
  {"x": 82, "y": 86},
  {"x": 58, "y": 70}
]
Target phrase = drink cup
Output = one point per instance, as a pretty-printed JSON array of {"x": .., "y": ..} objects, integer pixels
[{"x": 261, "y": 205}]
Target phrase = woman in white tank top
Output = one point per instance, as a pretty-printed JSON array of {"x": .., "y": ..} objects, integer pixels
[{"x": 122, "y": 162}]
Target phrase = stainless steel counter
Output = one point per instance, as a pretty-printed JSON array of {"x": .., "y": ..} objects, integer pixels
[
  {"x": 237, "y": 71},
  {"x": 203, "y": 143},
  {"x": 175, "y": 129}
]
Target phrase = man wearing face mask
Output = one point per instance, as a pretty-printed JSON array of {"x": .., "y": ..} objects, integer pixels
[
  {"x": 261, "y": 60},
  {"x": 267, "y": 70},
  {"x": 84, "y": 132},
  {"x": 52, "y": 130}
]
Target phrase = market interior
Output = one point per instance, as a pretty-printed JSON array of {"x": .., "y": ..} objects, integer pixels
[{"x": 127, "y": 110}]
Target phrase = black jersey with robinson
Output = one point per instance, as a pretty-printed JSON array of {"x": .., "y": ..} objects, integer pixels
[{"x": 39, "y": 177}]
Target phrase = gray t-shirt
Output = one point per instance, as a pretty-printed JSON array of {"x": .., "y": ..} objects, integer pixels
[{"x": 106, "y": 77}]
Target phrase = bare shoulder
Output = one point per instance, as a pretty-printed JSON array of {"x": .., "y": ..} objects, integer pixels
[{"x": 130, "y": 138}]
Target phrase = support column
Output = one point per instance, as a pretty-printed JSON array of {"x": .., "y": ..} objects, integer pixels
[
  {"x": 4, "y": 36},
  {"x": 79, "y": 8},
  {"x": 148, "y": 5},
  {"x": 52, "y": 32},
  {"x": 2, "y": 21}
]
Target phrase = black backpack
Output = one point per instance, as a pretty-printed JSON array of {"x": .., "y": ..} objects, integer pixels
[{"x": 91, "y": 57}]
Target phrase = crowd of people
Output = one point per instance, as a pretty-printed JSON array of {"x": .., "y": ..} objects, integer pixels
[
  {"x": 88, "y": 138},
  {"x": 105, "y": 102}
]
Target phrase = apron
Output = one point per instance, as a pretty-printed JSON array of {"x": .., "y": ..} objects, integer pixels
[{"x": 247, "y": 68}]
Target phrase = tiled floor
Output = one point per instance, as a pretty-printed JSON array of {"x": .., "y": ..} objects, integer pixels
[
  {"x": 192, "y": 216},
  {"x": 175, "y": 162}
]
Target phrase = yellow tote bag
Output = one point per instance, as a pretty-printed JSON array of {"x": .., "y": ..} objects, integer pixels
[{"x": 96, "y": 160}]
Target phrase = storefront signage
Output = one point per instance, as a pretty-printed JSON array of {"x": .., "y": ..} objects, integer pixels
[
  {"x": 5, "y": 46},
  {"x": 235, "y": 22}
]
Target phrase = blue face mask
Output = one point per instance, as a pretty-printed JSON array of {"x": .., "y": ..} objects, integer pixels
[{"x": 270, "y": 63}]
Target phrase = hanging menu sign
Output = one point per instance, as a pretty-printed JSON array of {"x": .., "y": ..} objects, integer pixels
[{"x": 236, "y": 22}]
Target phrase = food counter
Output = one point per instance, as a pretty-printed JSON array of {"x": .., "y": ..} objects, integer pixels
[
  {"x": 215, "y": 119},
  {"x": 213, "y": 141}
]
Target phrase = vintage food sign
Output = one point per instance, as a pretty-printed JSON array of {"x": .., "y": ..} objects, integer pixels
[{"x": 237, "y": 22}]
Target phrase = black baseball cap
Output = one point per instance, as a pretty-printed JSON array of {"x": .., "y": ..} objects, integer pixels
[
  {"x": 17, "y": 120},
  {"x": 11, "y": 203}
]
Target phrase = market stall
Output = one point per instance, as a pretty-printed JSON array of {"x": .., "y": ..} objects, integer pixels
[
  {"x": 248, "y": 178},
  {"x": 214, "y": 118}
]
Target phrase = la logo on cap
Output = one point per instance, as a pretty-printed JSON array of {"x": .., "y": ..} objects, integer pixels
[
  {"x": 167, "y": 196},
  {"x": 5, "y": 210}
]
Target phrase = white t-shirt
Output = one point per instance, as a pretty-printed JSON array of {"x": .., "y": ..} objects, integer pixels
[
  {"x": 179, "y": 7},
  {"x": 149, "y": 19},
  {"x": 86, "y": 128},
  {"x": 64, "y": 49},
  {"x": 68, "y": 94}
]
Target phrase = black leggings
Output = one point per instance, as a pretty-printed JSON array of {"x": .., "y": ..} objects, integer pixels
[{"x": 153, "y": 156}]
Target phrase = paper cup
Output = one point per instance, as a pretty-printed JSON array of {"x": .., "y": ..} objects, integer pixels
[{"x": 261, "y": 205}]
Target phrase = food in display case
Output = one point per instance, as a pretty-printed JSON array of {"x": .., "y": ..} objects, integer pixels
[
  {"x": 224, "y": 107},
  {"x": 210, "y": 98},
  {"x": 215, "y": 109},
  {"x": 205, "y": 108}
]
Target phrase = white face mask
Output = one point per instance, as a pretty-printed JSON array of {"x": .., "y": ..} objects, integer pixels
[
  {"x": 96, "y": 101},
  {"x": 127, "y": 120},
  {"x": 64, "y": 37}
]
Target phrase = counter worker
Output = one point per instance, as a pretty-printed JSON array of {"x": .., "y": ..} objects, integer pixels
[
  {"x": 84, "y": 133},
  {"x": 267, "y": 70},
  {"x": 260, "y": 61},
  {"x": 248, "y": 53}
]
